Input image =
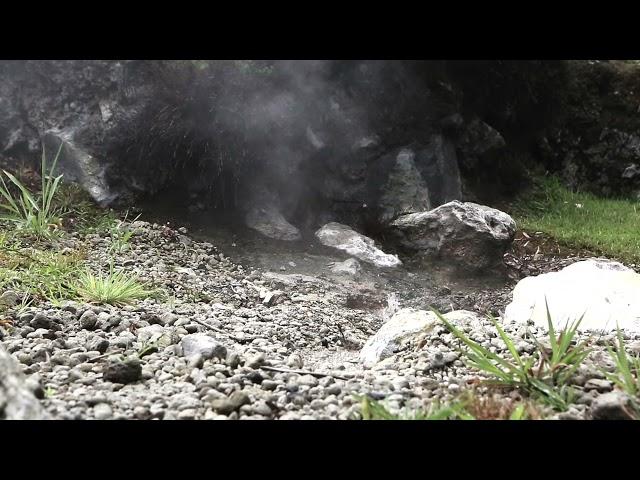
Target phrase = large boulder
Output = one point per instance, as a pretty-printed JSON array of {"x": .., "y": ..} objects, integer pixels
[
  {"x": 355, "y": 244},
  {"x": 468, "y": 237},
  {"x": 605, "y": 292},
  {"x": 17, "y": 399}
]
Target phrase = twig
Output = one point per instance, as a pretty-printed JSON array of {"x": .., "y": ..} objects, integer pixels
[
  {"x": 219, "y": 330},
  {"x": 303, "y": 372},
  {"x": 91, "y": 360}
]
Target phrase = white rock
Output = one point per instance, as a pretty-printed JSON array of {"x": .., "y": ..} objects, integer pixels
[
  {"x": 406, "y": 325},
  {"x": 350, "y": 267},
  {"x": 344, "y": 238},
  {"x": 203, "y": 344},
  {"x": 605, "y": 292}
]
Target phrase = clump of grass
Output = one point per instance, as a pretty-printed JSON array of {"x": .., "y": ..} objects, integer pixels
[
  {"x": 33, "y": 213},
  {"x": 544, "y": 376},
  {"x": 120, "y": 234},
  {"x": 116, "y": 287},
  {"x": 627, "y": 373},
  {"x": 39, "y": 274},
  {"x": 501, "y": 407},
  {"x": 374, "y": 410},
  {"x": 581, "y": 220}
]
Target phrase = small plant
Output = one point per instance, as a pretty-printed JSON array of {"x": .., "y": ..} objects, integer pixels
[
  {"x": 120, "y": 235},
  {"x": 627, "y": 374},
  {"x": 35, "y": 214},
  {"x": 545, "y": 375},
  {"x": 39, "y": 274},
  {"x": 373, "y": 410},
  {"x": 115, "y": 288}
]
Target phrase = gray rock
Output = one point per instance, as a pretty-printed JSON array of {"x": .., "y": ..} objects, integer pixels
[
  {"x": 230, "y": 404},
  {"x": 88, "y": 320},
  {"x": 400, "y": 329},
  {"x": 167, "y": 319},
  {"x": 43, "y": 321},
  {"x": 295, "y": 361},
  {"x": 195, "y": 361},
  {"x": 350, "y": 267},
  {"x": 273, "y": 298},
  {"x": 17, "y": 398},
  {"x": 98, "y": 344},
  {"x": 203, "y": 344},
  {"x": 266, "y": 218},
  {"x": 599, "y": 385},
  {"x": 232, "y": 360},
  {"x": 156, "y": 335},
  {"x": 127, "y": 371},
  {"x": 614, "y": 406},
  {"x": 102, "y": 411},
  {"x": 256, "y": 361},
  {"x": 346, "y": 239},
  {"x": 9, "y": 298},
  {"x": 466, "y": 237},
  {"x": 405, "y": 190}
]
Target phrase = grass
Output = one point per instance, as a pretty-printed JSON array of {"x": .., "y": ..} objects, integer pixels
[
  {"x": 374, "y": 410},
  {"x": 36, "y": 214},
  {"x": 41, "y": 274},
  {"x": 581, "y": 220},
  {"x": 120, "y": 235},
  {"x": 627, "y": 373},
  {"x": 469, "y": 406},
  {"x": 115, "y": 288},
  {"x": 544, "y": 376}
]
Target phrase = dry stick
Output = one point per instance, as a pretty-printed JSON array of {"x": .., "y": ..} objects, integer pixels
[
  {"x": 303, "y": 372},
  {"x": 219, "y": 330},
  {"x": 91, "y": 360}
]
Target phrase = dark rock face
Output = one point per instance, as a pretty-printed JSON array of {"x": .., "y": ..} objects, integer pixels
[
  {"x": 466, "y": 237},
  {"x": 325, "y": 136},
  {"x": 17, "y": 399}
]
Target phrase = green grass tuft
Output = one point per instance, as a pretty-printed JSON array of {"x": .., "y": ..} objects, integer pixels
[
  {"x": 115, "y": 288},
  {"x": 544, "y": 376},
  {"x": 35, "y": 214}
]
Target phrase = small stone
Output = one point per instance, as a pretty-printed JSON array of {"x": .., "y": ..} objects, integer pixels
[
  {"x": 233, "y": 360},
  {"x": 88, "y": 320},
  {"x": 613, "y": 406},
  {"x": 203, "y": 344},
  {"x": 187, "y": 414},
  {"x": 102, "y": 411},
  {"x": 599, "y": 385},
  {"x": 127, "y": 371},
  {"x": 269, "y": 384},
  {"x": 98, "y": 344},
  {"x": 230, "y": 404},
  {"x": 42, "y": 321},
  {"x": 309, "y": 380},
  {"x": 295, "y": 361},
  {"x": 9, "y": 298},
  {"x": 167, "y": 319},
  {"x": 256, "y": 361},
  {"x": 195, "y": 361}
]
